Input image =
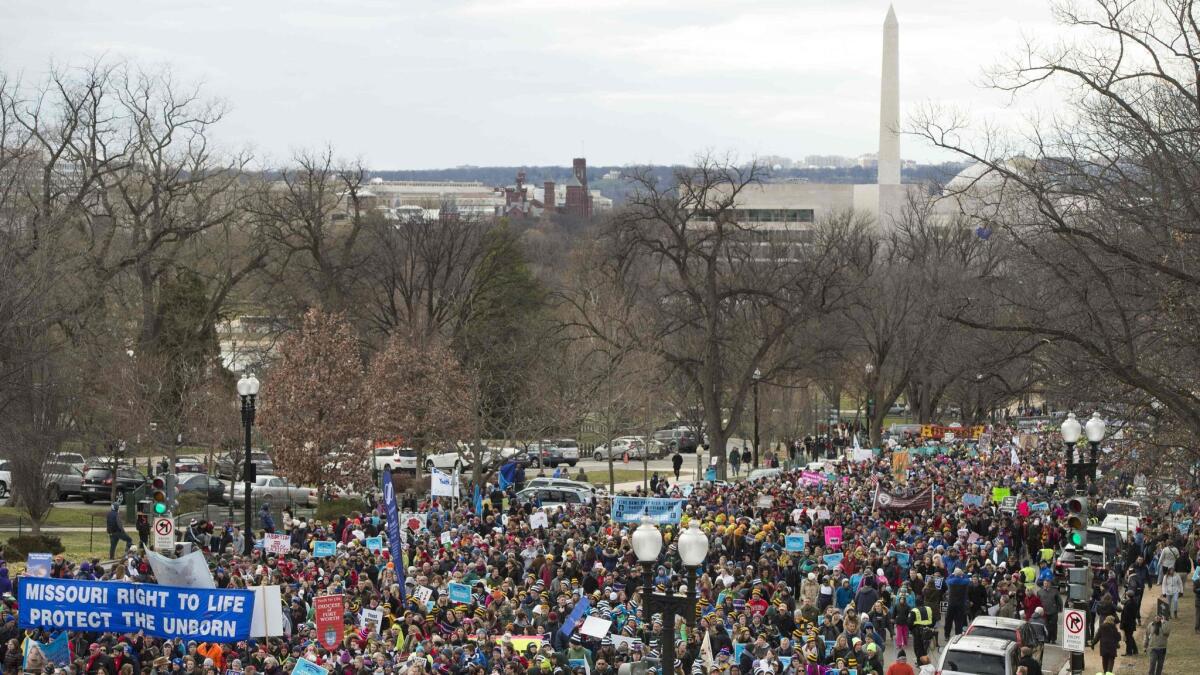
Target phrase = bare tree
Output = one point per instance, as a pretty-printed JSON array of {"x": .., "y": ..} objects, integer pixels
[
  {"x": 710, "y": 295},
  {"x": 1099, "y": 208}
]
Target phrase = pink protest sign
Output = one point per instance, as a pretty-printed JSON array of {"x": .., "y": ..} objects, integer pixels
[{"x": 833, "y": 536}]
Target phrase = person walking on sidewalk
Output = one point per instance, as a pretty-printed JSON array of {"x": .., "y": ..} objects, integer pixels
[
  {"x": 677, "y": 463},
  {"x": 1109, "y": 640},
  {"x": 1155, "y": 643},
  {"x": 1172, "y": 588}
]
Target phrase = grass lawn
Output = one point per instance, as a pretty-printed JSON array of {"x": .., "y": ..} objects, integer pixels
[
  {"x": 600, "y": 476},
  {"x": 79, "y": 547},
  {"x": 10, "y": 516}
]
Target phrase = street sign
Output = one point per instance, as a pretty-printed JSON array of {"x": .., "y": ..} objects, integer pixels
[
  {"x": 1074, "y": 621},
  {"x": 164, "y": 535}
]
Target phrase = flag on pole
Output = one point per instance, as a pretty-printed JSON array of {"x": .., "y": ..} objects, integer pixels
[
  {"x": 395, "y": 543},
  {"x": 508, "y": 475},
  {"x": 478, "y": 501}
]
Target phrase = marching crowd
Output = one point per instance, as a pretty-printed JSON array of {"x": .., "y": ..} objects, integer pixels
[{"x": 896, "y": 582}]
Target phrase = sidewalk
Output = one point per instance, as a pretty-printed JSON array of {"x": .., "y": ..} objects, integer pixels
[{"x": 1183, "y": 647}]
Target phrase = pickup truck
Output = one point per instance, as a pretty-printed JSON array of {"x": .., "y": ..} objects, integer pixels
[{"x": 275, "y": 489}]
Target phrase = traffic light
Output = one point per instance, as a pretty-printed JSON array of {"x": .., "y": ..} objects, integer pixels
[
  {"x": 1077, "y": 521},
  {"x": 158, "y": 495},
  {"x": 1080, "y": 583}
]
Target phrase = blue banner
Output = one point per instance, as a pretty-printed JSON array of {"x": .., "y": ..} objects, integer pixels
[
  {"x": 508, "y": 475},
  {"x": 203, "y": 614},
  {"x": 395, "y": 544},
  {"x": 660, "y": 510},
  {"x": 324, "y": 549},
  {"x": 794, "y": 542},
  {"x": 833, "y": 559},
  {"x": 305, "y": 667},
  {"x": 37, "y": 654},
  {"x": 460, "y": 593},
  {"x": 576, "y": 615}
]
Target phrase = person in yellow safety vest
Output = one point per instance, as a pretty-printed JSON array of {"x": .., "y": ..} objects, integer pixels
[
  {"x": 1029, "y": 576},
  {"x": 921, "y": 620}
]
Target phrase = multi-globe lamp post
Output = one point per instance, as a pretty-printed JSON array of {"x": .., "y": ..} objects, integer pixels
[
  {"x": 247, "y": 389},
  {"x": 693, "y": 548}
]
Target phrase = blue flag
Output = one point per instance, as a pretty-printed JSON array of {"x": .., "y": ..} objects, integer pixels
[
  {"x": 508, "y": 475},
  {"x": 478, "y": 501},
  {"x": 576, "y": 615},
  {"x": 393, "y": 530}
]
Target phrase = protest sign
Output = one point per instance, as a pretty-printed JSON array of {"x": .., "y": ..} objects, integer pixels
[
  {"x": 442, "y": 484},
  {"x": 268, "y": 612},
  {"x": 207, "y": 615},
  {"x": 374, "y": 543},
  {"x": 832, "y": 560},
  {"x": 372, "y": 620},
  {"x": 972, "y": 500},
  {"x": 919, "y": 501},
  {"x": 833, "y": 536},
  {"x": 580, "y": 663},
  {"x": 576, "y": 615},
  {"x": 1040, "y": 506},
  {"x": 36, "y": 655},
  {"x": 795, "y": 542},
  {"x": 539, "y": 520},
  {"x": 305, "y": 667},
  {"x": 278, "y": 544},
  {"x": 329, "y": 615},
  {"x": 595, "y": 626},
  {"x": 445, "y": 539},
  {"x": 460, "y": 593},
  {"x": 521, "y": 642},
  {"x": 812, "y": 477},
  {"x": 999, "y": 493},
  {"x": 903, "y": 559},
  {"x": 324, "y": 549},
  {"x": 423, "y": 594},
  {"x": 38, "y": 565},
  {"x": 660, "y": 510}
]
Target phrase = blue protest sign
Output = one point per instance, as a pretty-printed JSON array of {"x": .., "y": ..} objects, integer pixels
[
  {"x": 324, "y": 549},
  {"x": 902, "y": 559},
  {"x": 786, "y": 662},
  {"x": 374, "y": 543},
  {"x": 305, "y": 667},
  {"x": 204, "y": 614},
  {"x": 38, "y": 565},
  {"x": 460, "y": 593},
  {"x": 972, "y": 500},
  {"x": 576, "y": 615},
  {"x": 1185, "y": 526},
  {"x": 794, "y": 542},
  {"x": 1040, "y": 506},
  {"x": 833, "y": 559},
  {"x": 737, "y": 652},
  {"x": 710, "y": 473},
  {"x": 660, "y": 510}
]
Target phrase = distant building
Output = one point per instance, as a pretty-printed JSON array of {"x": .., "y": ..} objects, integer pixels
[{"x": 247, "y": 342}]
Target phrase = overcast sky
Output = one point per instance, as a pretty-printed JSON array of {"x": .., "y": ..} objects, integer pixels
[{"x": 439, "y": 83}]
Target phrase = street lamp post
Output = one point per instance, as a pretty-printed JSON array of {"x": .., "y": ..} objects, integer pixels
[
  {"x": 693, "y": 548},
  {"x": 247, "y": 388},
  {"x": 1094, "y": 429},
  {"x": 757, "y": 377},
  {"x": 870, "y": 368},
  {"x": 1071, "y": 431}
]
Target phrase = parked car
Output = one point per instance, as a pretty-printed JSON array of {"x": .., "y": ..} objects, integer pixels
[
  {"x": 559, "y": 496},
  {"x": 448, "y": 461},
  {"x": 682, "y": 439},
  {"x": 391, "y": 458},
  {"x": 230, "y": 466},
  {"x": 543, "y": 482},
  {"x": 1123, "y": 507},
  {"x": 202, "y": 483},
  {"x": 759, "y": 474},
  {"x": 72, "y": 458},
  {"x": 277, "y": 490},
  {"x": 188, "y": 464},
  {"x": 97, "y": 483},
  {"x": 62, "y": 480},
  {"x": 970, "y": 655},
  {"x": 103, "y": 462},
  {"x": 621, "y": 447},
  {"x": 5, "y": 478},
  {"x": 549, "y": 453}
]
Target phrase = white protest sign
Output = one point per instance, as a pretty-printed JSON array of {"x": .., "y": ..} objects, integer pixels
[
  {"x": 596, "y": 627},
  {"x": 267, "y": 620},
  {"x": 423, "y": 593},
  {"x": 539, "y": 519},
  {"x": 278, "y": 543},
  {"x": 373, "y": 619}
]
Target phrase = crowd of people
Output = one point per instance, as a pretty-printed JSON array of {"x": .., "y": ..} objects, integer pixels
[{"x": 879, "y": 600}]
